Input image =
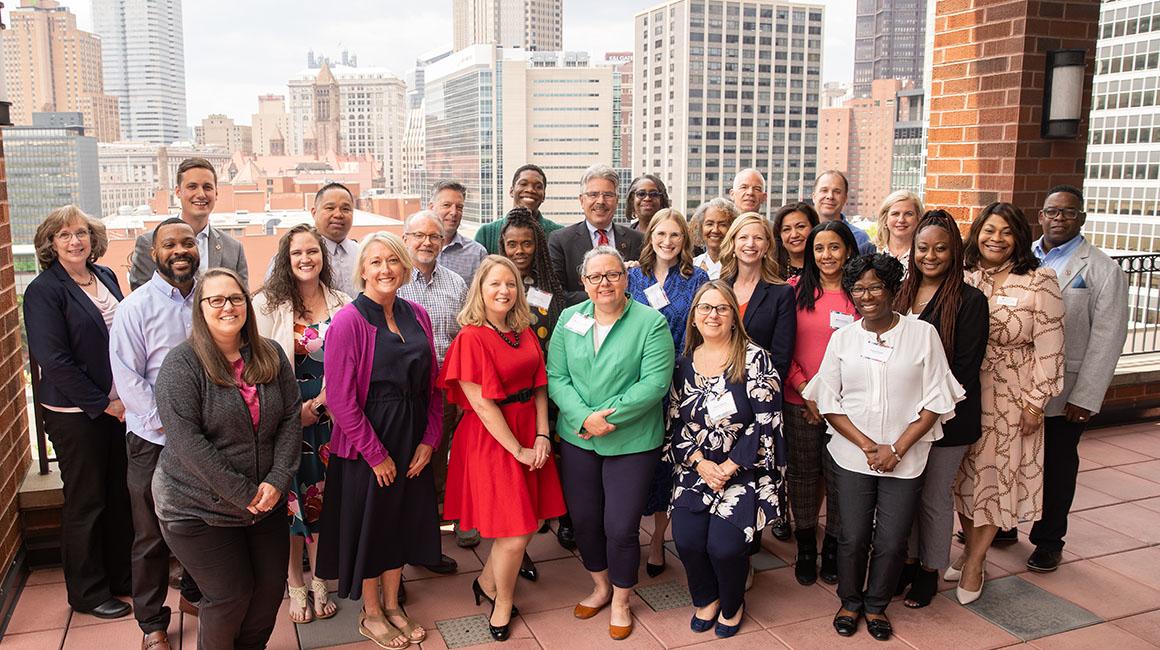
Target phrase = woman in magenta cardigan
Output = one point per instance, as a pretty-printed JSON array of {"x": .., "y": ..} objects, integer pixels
[{"x": 380, "y": 511}]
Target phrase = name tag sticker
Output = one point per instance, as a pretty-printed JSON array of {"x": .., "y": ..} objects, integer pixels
[
  {"x": 539, "y": 298},
  {"x": 1007, "y": 301},
  {"x": 656, "y": 296},
  {"x": 720, "y": 407},
  {"x": 838, "y": 320},
  {"x": 875, "y": 352},
  {"x": 580, "y": 324}
]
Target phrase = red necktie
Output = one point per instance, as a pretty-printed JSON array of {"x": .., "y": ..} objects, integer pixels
[{"x": 601, "y": 237}]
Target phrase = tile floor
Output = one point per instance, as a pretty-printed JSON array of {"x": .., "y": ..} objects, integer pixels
[{"x": 1107, "y": 593}]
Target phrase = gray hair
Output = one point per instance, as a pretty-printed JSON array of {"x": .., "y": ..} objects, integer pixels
[
  {"x": 602, "y": 171},
  {"x": 597, "y": 251},
  {"x": 749, "y": 170},
  {"x": 424, "y": 214},
  {"x": 720, "y": 204},
  {"x": 448, "y": 185}
]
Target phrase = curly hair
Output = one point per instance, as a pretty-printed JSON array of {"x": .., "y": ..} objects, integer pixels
[
  {"x": 58, "y": 220},
  {"x": 630, "y": 205},
  {"x": 949, "y": 295},
  {"x": 888, "y": 270},
  {"x": 281, "y": 286},
  {"x": 1023, "y": 259},
  {"x": 697, "y": 223},
  {"x": 541, "y": 273}
]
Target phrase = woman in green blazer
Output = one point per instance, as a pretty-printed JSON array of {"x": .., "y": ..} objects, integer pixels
[{"x": 610, "y": 364}]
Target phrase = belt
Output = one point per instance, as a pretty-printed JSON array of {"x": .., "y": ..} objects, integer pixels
[{"x": 524, "y": 395}]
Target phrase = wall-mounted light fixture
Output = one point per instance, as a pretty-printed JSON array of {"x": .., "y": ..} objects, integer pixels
[{"x": 1063, "y": 94}]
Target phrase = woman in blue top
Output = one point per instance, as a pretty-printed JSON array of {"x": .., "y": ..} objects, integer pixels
[{"x": 666, "y": 280}]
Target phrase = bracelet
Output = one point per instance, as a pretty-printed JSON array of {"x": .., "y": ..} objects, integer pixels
[
  {"x": 544, "y": 435},
  {"x": 895, "y": 452},
  {"x": 695, "y": 463}
]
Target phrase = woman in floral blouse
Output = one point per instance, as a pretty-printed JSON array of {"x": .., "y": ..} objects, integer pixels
[{"x": 728, "y": 454}]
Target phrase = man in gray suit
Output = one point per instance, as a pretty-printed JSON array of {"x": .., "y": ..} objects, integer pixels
[
  {"x": 197, "y": 191},
  {"x": 566, "y": 246},
  {"x": 1095, "y": 300}
]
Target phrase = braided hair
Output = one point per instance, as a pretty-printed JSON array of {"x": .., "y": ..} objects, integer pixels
[
  {"x": 949, "y": 295},
  {"x": 541, "y": 273}
]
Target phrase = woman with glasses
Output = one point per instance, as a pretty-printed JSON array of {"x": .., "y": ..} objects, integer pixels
[
  {"x": 1000, "y": 482},
  {"x": 709, "y": 224},
  {"x": 724, "y": 421},
  {"x": 610, "y": 363},
  {"x": 232, "y": 414},
  {"x": 68, "y": 309},
  {"x": 885, "y": 389},
  {"x": 791, "y": 226},
  {"x": 294, "y": 309},
  {"x": 646, "y": 196}
]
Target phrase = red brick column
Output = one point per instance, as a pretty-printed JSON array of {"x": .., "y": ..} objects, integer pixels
[{"x": 986, "y": 102}]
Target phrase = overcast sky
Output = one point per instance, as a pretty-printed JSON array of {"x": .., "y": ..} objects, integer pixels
[{"x": 236, "y": 50}]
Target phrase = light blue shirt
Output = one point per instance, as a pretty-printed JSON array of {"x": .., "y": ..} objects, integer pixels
[
  {"x": 865, "y": 246},
  {"x": 1056, "y": 259},
  {"x": 149, "y": 323}
]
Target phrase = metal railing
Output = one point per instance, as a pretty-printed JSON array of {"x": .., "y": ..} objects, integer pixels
[{"x": 1143, "y": 273}]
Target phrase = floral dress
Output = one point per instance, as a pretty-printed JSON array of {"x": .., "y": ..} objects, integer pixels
[
  {"x": 304, "y": 500},
  {"x": 750, "y": 437}
]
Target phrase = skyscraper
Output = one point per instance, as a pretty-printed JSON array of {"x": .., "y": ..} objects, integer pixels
[
  {"x": 889, "y": 42},
  {"x": 144, "y": 66},
  {"x": 50, "y": 65},
  {"x": 721, "y": 86},
  {"x": 526, "y": 24},
  {"x": 858, "y": 138}
]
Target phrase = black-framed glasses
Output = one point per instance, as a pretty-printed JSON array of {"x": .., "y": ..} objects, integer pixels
[
  {"x": 597, "y": 278},
  {"x": 647, "y": 194},
  {"x": 217, "y": 302},
  {"x": 875, "y": 291},
  {"x": 1062, "y": 214},
  {"x": 703, "y": 308}
]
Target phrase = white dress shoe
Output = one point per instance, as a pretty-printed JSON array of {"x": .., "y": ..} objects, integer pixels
[{"x": 968, "y": 597}]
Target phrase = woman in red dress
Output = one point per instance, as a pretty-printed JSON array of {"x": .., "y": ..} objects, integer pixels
[{"x": 501, "y": 478}]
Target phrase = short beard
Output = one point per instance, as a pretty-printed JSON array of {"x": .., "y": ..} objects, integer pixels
[{"x": 166, "y": 270}]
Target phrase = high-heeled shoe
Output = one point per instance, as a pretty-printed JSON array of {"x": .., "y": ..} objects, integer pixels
[
  {"x": 481, "y": 595},
  {"x": 528, "y": 569},
  {"x": 953, "y": 573},
  {"x": 968, "y": 597},
  {"x": 500, "y": 632}
]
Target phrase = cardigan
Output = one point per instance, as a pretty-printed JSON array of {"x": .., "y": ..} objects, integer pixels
[
  {"x": 214, "y": 458},
  {"x": 972, "y": 327},
  {"x": 347, "y": 357},
  {"x": 631, "y": 373},
  {"x": 278, "y": 325}
]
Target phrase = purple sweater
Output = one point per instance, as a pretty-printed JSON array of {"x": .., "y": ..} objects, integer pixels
[{"x": 349, "y": 353}]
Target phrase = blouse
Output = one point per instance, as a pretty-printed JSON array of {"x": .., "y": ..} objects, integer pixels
[
  {"x": 706, "y": 264},
  {"x": 832, "y": 311},
  {"x": 883, "y": 388},
  {"x": 679, "y": 292}
]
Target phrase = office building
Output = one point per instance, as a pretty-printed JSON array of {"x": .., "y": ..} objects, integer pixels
[
  {"x": 526, "y": 24},
  {"x": 889, "y": 42},
  {"x": 270, "y": 126},
  {"x": 909, "y": 165},
  {"x": 721, "y": 86},
  {"x": 132, "y": 173},
  {"x": 217, "y": 130},
  {"x": 858, "y": 138}
]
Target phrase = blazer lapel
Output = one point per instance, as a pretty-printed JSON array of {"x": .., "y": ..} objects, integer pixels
[
  {"x": 215, "y": 248},
  {"x": 79, "y": 296},
  {"x": 621, "y": 239},
  {"x": 1075, "y": 264},
  {"x": 755, "y": 300}
]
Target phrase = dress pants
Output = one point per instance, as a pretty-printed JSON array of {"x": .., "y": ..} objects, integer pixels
[
  {"x": 716, "y": 559},
  {"x": 606, "y": 497},
  {"x": 1060, "y": 468},
  {"x": 876, "y": 511},
  {"x": 96, "y": 520},
  {"x": 242, "y": 574},
  {"x": 934, "y": 520}
]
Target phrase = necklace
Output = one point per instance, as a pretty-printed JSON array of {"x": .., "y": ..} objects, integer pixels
[
  {"x": 92, "y": 278},
  {"x": 502, "y": 335}
]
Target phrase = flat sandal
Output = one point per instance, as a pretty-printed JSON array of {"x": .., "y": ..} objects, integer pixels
[
  {"x": 407, "y": 628},
  {"x": 322, "y": 598},
  {"x": 381, "y": 640}
]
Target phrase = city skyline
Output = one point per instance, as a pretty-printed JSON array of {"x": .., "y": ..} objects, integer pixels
[{"x": 274, "y": 43}]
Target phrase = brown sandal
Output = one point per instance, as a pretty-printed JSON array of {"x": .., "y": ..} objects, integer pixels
[
  {"x": 382, "y": 640},
  {"x": 408, "y": 628}
]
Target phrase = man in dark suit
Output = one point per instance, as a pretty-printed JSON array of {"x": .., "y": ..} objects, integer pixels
[
  {"x": 567, "y": 246},
  {"x": 197, "y": 191}
]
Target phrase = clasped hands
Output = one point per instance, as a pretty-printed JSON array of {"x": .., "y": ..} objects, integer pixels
[
  {"x": 385, "y": 471},
  {"x": 537, "y": 455},
  {"x": 716, "y": 475},
  {"x": 880, "y": 458},
  {"x": 597, "y": 424},
  {"x": 265, "y": 500}
]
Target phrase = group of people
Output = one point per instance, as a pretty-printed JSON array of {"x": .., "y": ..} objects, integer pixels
[{"x": 720, "y": 374}]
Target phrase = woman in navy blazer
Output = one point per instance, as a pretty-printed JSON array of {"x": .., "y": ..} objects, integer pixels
[{"x": 67, "y": 312}]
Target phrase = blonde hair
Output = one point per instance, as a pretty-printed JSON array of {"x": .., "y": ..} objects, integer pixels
[
  {"x": 648, "y": 255},
  {"x": 769, "y": 266},
  {"x": 738, "y": 339},
  {"x": 519, "y": 317},
  {"x": 882, "y": 237},
  {"x": 58, "y": 220},
  {"x": 393, "y": 243}
]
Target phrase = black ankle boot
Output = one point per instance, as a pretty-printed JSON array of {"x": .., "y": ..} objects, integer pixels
[
  {"x": 805, "y": 569},
  {"x": 829, "y": 569}
]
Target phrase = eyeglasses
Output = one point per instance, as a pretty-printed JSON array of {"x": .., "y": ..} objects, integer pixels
[
  {"x": 703, "y": 308},
  {"x": 434, "y": 238},
  {"x": 597, "y": 278},
  {"x": 1062, "y": 214},
  {"x": 67, "y": 236},
  {"x": 875, "y": 291},
  {"x": 647, "y": 194},
  {"x": 217, "y": 302},
  {"x": 594, "y": 196}
]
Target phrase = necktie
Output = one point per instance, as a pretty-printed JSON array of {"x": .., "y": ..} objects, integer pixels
[{"x": 601, "y": 237}]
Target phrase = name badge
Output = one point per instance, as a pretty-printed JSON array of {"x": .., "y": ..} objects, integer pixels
[
  {"x": 539, "y": 298},
  {"x": 720, "y": 407},
  {"x": 871, "y": 350},
  {"x": 656, "y": 296},
  {"x": 579, "y": 323},
  {"x": 1007, "y": 301},
  {"x": 838, "y": 320}
]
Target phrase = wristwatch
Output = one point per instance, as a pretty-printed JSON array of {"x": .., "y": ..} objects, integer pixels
[{"x": 695, "y": 463}]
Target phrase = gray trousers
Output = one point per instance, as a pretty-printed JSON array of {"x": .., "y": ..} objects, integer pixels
[
  {"x": 877, "y": 511},
  {"x": 934, "y": 519}
]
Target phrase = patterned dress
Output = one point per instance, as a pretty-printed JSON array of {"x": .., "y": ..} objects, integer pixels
[
  {"x": 1001, "y": 479},
  {"x": 304, "y": 501}
]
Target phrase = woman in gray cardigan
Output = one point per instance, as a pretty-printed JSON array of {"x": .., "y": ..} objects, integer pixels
[{"x": 230, "y": 407}]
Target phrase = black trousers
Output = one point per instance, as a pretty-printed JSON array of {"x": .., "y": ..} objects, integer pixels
[
  {"x": 716, "y": 558},
  {"x": 97, "y": 524},
  {"x": 242, "y": 575},
  {"x": 606, "y": 497},
  {"x": 1060, "y": 468}
]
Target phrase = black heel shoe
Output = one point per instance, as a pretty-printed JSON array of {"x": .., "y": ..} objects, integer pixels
[
  {"x": 922, "y": 590},
  {"x": 500, "y": 632},
  {"x": 906, "y": 577},
  {"x": 528, "y": 568},
  {"x": 828, "y": 571},
  {"x": 481, "y": 595}
]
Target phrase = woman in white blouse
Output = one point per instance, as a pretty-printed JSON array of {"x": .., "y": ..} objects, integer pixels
[{"x": 886, "y": 388}]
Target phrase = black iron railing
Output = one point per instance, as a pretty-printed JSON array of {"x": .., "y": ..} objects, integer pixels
[{"x": 1143, "y": 273}]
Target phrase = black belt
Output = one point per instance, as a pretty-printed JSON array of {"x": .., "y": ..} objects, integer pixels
[{"x": 524, "y": 395}]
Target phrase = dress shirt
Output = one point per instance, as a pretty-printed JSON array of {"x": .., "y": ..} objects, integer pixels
[
  {"x": 342, "y": 259},
  {"x": 442, "y": 296},
  {"x": 203, "y": 249},
  {"x": 463, "y": 256},
  {"x": 1057, "y": 258},
  {"x": 596, "y": 238},
  {"x": 150, "y": 322},
  {"x": 706, "y": 263}
]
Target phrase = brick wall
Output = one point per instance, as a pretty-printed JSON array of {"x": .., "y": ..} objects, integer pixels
[{"x": 986, "y": 102}]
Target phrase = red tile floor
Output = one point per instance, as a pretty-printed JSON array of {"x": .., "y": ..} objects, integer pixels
[{"x": 1106, "y": 594}]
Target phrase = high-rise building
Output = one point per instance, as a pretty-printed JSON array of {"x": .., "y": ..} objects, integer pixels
[
  {"x": 415, "y": 133},
  {"x": 49, "y": 166},
  {"x": 50, "y": 65},
  {"x": 909, "y": 167},
  {"x": 721, "y": 86},
  {"x": 1122, "y": 183},
  {"x": 622, "y": 108},
  {"x": 889, "y": 42},
  {"x": 350, "y": 111},
  {"x": 490, "y": 110},
  {"x": 220, "y": 131},
  {"x": 143, "y": 53},
  {"x": 131, "y": 173},
  {"x": 526, "y": 24},
  {"x": 858, "y": 138},
  {"x": 270, "y": 126}
]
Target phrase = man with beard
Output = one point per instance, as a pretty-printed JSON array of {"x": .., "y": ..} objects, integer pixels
[
  {"x": 528, "y": 190},
  {"x": 149, "y": 323},
  {"x": 197, "y": 191}
]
